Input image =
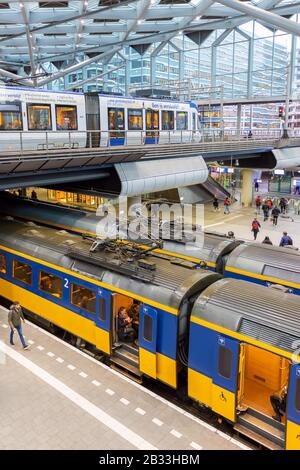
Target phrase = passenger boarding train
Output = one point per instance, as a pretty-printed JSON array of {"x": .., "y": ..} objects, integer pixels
[
  {"x": 38, "y": 119},
  {"x": 250, "y": 261},
  {"x": 235, "y": 340}
]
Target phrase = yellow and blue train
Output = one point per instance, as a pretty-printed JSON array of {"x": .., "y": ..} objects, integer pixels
[
  {"x": 237, "y": 340},
  {"x": 249, "y": 261}
]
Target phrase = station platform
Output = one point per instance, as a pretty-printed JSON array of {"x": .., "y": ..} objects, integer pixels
[
  {"x": 54, "y": 396},
  {"x": 240, "y": 219}
]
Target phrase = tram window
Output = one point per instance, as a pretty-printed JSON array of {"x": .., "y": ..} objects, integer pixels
[
  {"x": 181, "y": 121},
  {"x": 194, "y": 121},
  {"x": 167, "y": 120},
  {"x": 39, "y": 117},
  {"x": 225, "y": 362},
  {"x": 50, "y": 284},
  {"x": 2, "y": 264},
  {"x": 135, "y": 119},
  {"x": 283, "y": 274},
  {"x": 83, "y": 298},
  {"x": 148, "y": 328},
  {"x": 152, "y": 119},
  {"x": 297, "y": 395},
  {"x": 22, "y": 272},
  {"x": 10, "y": 116},
  {"x": 102, "y": 309},
  {"x": 66, "y": 118},
  {"x": 116, "y": 119}
]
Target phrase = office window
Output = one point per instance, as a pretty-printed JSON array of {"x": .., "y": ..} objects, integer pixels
[
  {"x": 39, "y": 117},
  {"x": 22, "y": 272},
  {"x": 66, "y": 118},
  {"x": 83, "y": 298},
  {"x": 51, "y": 284},
  {"x": 182, "y": 121},
  {"x": 148, "y": 328},
  {"x": 225, "y": 362},
  {"x": 135, "y": 119},
  {"x": 10, "y": 116},
  {"x": 2, "y": 264}
]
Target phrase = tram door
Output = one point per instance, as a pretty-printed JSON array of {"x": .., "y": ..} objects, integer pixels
[
  {"x": 104, "y": 321},
  {"x": 92, "y": 120},
  {"x": 152, "y": 126},
  {"x": 148, "y": 340},
  {"x": 116, "y": 126},
  {"x": 293, "y": 409}
]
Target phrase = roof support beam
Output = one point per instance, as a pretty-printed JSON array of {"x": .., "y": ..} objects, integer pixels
[
  {"x": 75, "y": 67},
  {"x": 260, "y": 14},
  {"x": 18, "y": 78},
  {"x": 29, "y": 43}
]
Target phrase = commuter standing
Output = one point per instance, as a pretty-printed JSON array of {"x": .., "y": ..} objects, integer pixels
[
  {"x": 256, "y": 185},
  {"x": 258, "y": 204},
  {"x": 227, "y": 205},
  {"x": 275, "y": 214},
  {"x": 15, "y": 315},
  {"x": 285, "y": 240},
  {"x": 216, "y": 204},
  {"x": 266, "y": 210},
  {"x": 255, "y": 228},
  {"x": 283, "y": 204}
]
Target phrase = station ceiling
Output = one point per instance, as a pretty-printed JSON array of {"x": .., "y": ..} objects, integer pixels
[{"x": 33, "y": 34}]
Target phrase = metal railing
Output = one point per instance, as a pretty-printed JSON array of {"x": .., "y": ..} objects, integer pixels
[{"x": 19, "y": 141}]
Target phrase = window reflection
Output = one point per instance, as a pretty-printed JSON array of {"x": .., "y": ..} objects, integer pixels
[
  {"x": 167, "y": 120},
  {"x": 66, "y": 118},
  {"x": 22, "y": 272},
  {"x": 182, "y": 121},
  {"x": 135, "y": 119},
  {"x": 83, "y": 298},
  {"x": 39, "y": 117},
  {"x": 50, "y": 284},
  {"x": 10, "y": 116},
  {"x": 2, "y": 264}
]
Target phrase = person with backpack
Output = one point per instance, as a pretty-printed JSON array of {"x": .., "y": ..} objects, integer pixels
[
  {"x": 266, "y": 211},
  {"x": 258, "y": 204},
  {"x": 283, "y": 204},
  {"x": 285, "y": 240},
  {"x": 255, "y": 228},
  {"x": 226, "y": 205},
  {"x": 275, "y": 214}
]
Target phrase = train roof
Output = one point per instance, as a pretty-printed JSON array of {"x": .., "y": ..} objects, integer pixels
[
  {"x": 165, "y": 281},
  {"x": 254, "y": 257},
  {"x": 261, "y": 313}
]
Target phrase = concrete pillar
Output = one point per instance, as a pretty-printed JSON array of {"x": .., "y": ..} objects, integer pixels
[{"x": 247, "y": 188}]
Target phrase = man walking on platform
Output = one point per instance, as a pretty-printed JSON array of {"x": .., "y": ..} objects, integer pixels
[
  {"x": 255, "y": 228},
  {"x": 275, "y": 214},
  {"x": 15, "y": 315}
]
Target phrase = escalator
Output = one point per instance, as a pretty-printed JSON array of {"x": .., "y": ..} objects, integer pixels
[{"x": 213, "y": 188}]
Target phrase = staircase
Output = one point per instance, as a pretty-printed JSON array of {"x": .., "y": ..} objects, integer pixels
[
  {"x": 262, "y": 429},
  {"x": 126, "y": 357}
]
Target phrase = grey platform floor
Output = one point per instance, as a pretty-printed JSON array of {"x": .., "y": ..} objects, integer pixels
[{"x": 53, "y": 396}]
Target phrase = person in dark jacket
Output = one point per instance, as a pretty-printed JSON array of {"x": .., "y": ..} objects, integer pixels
[
  {"x": 216, "y": 204},
  {"x": 267, "y": 241},
  {"x": 283, "y": 204},
  {"x": 266, "y": 210},
  {"x": 285, "y": 240},
  {"x": 255, "y": 228},
  {"x": 125, "y": 330},
  {"x": 15, "y": 315},
  {"x": 275, "y": 214}
]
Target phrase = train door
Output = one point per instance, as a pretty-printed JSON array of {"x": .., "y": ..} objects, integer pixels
[
  {"x": 116, "y": 126},
  {"x": 148, "y": 340},
  {"x": 152, "y": 127},
  {"x": 224, "y": 377},
  {"x": 293, "y": 410},
  {"x": 104, "y": 321},
  {"x": 92, "y": 107}
]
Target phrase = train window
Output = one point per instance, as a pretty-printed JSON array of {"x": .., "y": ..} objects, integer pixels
[
  {"x": 39, "y": 117},
  {"x": 22, "y": 272},
  {"x": 83, "y": 298},
  {"x": 135, "y": 119},
  {"x": 2, "y": 264},
  {"x": 148, "y": 328},
  {"x": 152, "y": 119},
  {"x": 102, "y": 309},
  {"x": 10, "y": 116},
  {"x": 225, "y": 362},
  {"x": 283, "y": 274},
  {"x": 116, "y": 119},
  {"x": 297, "y": 395},
  {"x": 167, "y": 120},
  {"x": 194, "y": 121},
  {"x": 66, "y": 118},
  {"x": 181, "y": 120},
  {"x": 50, "y": 284}
]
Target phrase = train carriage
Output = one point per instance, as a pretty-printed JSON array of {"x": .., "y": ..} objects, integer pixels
[
  {"x": 244, "y": 349},
  {"x": 40, "y": 119}
]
